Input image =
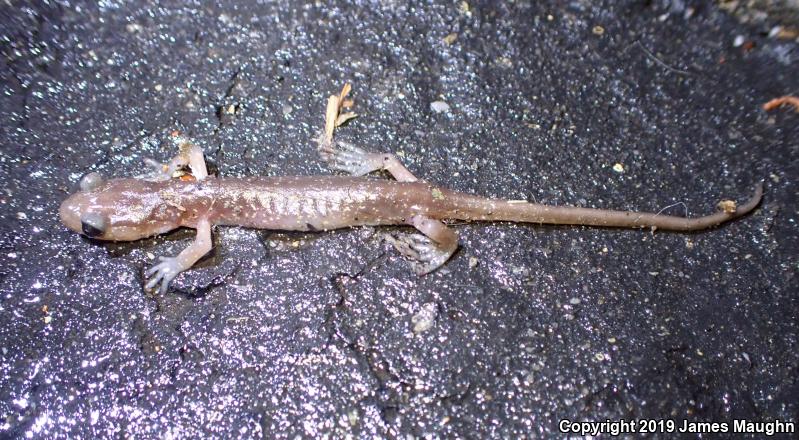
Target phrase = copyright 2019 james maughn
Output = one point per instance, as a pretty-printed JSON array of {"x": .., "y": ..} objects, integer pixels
[{"x": 657, "y": 426}]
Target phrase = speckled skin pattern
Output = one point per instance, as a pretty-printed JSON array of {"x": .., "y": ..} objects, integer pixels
[
  {"x": 285, "y": 203},
  {"x": 329, "y": 334},
  {"x": 138, "y": 208}
]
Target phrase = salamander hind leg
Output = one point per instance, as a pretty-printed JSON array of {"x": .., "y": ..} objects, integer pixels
[
  {"x": 346, "y": 157},
  {"x": 343, "y": 156},
  {"x": 428, "y": 250}
]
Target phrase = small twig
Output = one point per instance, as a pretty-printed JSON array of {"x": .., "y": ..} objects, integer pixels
[
  {"x": 333, "y": 116},
  {"x": 782, "y": 100},
  {"x": 659, "y": 61}
]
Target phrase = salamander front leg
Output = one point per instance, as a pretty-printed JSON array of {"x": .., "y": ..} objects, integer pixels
[
  {"x": 189, "y": 155},
  {"x": 428, "y": 250},
  {"x": 169, "y": 267}
]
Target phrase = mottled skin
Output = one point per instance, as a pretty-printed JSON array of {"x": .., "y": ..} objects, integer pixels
[
  {"x": 130, "y": 209},
  {"x": 134, "y": 208},
  {"x": 139, "y": 208}
]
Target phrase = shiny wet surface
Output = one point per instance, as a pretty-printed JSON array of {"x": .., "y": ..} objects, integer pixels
[{"x": 627, "y": 105}]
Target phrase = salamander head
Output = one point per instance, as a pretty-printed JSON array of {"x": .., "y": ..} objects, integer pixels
[{"x": 117, "y": 209}]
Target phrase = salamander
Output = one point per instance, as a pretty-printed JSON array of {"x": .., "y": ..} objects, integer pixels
[{"x": 127, "y": 209}]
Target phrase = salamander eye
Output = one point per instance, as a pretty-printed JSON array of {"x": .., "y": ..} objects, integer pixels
[
  {"x": 93, "y": 224},
  {"x": 91, "y": 181}
]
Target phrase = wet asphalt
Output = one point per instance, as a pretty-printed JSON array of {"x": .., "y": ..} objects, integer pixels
[{"x": 628, "y": 105}]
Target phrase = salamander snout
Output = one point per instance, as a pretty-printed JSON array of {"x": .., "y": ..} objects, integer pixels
[
  {"x": 119, "y": 209},
  {"x": 70, "y": 213},
  {"x": 76, "y": 212}
]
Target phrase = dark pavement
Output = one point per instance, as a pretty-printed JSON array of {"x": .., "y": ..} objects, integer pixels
[{"x": 626, "y": 105}]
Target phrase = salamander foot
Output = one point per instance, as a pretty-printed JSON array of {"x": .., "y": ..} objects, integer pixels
[
  {"x": 343, "y": 156},
  {"x": 163, "y": 273},
  {"x": 425, "y": 254}
]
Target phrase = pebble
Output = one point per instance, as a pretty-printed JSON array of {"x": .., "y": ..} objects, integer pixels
[
  {"x": 439, "y": 106},
  {"x": 425, "y": 318}
]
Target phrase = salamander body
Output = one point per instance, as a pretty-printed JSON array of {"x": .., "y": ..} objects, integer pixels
[{"x": 133, "y": 208}]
